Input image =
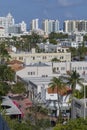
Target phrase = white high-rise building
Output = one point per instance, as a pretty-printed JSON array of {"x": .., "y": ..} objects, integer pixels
[
  {"x": 50, "y": 26},
  {"x": 7, "y": 21},
  {"x": 75, "y": 26},
  {"x": 34, "y": 24},
  {"x": 23, "y": 26}
]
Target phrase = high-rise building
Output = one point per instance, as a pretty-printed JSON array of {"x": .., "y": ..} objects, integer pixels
[
  {"x": 75, "y": 25},
  {"x": 14, "y": 29},
  {"x": 50, "y": 26},
  {"x": 7, "y": 21},
  {"x": 34, "y": 24},
  {"x": 23, "y": 26}
]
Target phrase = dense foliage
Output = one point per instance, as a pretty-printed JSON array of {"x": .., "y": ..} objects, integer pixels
[
  {"x": 76, "y": 124},
  {"x": 18, "y": 88}
]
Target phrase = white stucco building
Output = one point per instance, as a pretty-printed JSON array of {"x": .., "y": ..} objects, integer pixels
[
  {"x": 7, "y": 21},
  {"x": 34, "y": 57},
  {"x": 39, "y": 75},
  {"x": 2, "y": 32},
  {"x": 34, "y": 24},
  {"x": 23, "y": 27}
]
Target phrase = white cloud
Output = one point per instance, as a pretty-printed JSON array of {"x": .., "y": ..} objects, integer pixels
[
  {"x": 66, "y": 3},
  {"x": 63, "y": 2}
]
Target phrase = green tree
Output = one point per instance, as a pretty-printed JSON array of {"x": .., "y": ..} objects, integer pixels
[
  {"x": 59, "y": 85},
  {"x": 6, "y": 73},
  {"x": 76, "y": 124},
  {"x": 85, "y": 37},
  {"x": 74, "y": 52},
  {"x": 9, "y": 74},
  {"x": 73, "y": 78},
  {"x": 54, "y": 35},
  {"x": 55, "y": 60},
  {"x": 4, "y": 55},
  {"x": 82, "y": 51},
  {"x": 53, "y": 41},
  {"x": 18, "y": 88},
  {"x": 4, "y": 88}
]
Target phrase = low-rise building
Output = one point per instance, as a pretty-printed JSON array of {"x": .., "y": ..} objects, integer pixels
[
  {"x": 40, "y": 57},
  {"x": 79, "y": 108},
  {"x": 2, "y": 32}
]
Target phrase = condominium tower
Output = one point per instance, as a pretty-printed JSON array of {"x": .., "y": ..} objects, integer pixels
[
  {"x": 75, "y": 25},
  {"x": 23, "y": 26},
  {"x": 34, "y": 24},
  {"x": 7, "y": 21},
  {"x": 50, "y": 26}
]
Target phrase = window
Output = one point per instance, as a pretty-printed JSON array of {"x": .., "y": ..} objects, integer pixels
[
  {"x": 77, "y": 105},
  {"x": 80, "y": 68},
  {"x": 62, "y": 68},
  {"x": 57, "y": 68},
  {"x": 61, "y": 57},
  {"x": 33, "y": 58},
  {"x": 28, "y": 73},
  {"x": 44, "y": 57},
  {"x": 20, "y": 58},
  {"x": 31, "y": 73},
  {"x": 62, "y": 50}
]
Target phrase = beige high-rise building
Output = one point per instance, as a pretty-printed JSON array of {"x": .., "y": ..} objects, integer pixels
[
  {"x": 75, "y": 25},
  {"x": 7, "y": 21},
  {"x": 34, "y": 24},
  {"x": 50, "y": 26},
  {"x": 23, "y": 26}
]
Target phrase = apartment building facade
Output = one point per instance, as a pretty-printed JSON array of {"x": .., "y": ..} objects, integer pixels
[
  {"x": 40, "y": 57},
  {"x": 75, "y": 25},
  {"x": 50, "y": 26},
  {"x": 79, "y": 108},
  {"x": 7, "y": 21},
  {"x": 34, "y": 24}
]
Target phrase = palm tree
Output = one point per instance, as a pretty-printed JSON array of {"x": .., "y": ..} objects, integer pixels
[
  {"x": 73, "y": 78},
  {"x": 58, "y": 85}
]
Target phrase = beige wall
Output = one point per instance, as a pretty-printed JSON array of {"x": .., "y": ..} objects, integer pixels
[{"x": 40, "y": 57}]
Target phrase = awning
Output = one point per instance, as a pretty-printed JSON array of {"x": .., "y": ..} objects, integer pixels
[{"x": 13, "y": 110}]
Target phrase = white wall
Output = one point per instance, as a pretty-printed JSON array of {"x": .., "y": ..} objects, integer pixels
[{"x": 35, "y": 71}]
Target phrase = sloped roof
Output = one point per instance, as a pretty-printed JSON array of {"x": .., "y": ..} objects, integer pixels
[
  {"x": 15, "y": 62},
  {"x": 13, "y": 109},
  {"x": 17, "y": 67},
  {"x": 63, "y": 91},
  {"x": 39, "y": 64}
]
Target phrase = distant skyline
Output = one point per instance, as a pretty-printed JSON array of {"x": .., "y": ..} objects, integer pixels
[{"x": 44, "y": 9}]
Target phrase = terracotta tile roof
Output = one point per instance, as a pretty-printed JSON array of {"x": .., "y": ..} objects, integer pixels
[
  {"x": 61, "y": 92},
  {"x": 17, "y": 67},
  {"x": 15, "y": 62}
]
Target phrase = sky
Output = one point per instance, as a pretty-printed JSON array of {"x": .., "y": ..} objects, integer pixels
[{"x": 44, "y": 9}]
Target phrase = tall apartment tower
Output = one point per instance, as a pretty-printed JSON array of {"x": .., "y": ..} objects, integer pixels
[
  {"x": 23, "y": 26},
  {"x": 50, "y": 26},
  {"x": 75, "y": 25},
  {"x": 34, "y": 24},
  {"x": 7, "y": 21}
]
